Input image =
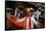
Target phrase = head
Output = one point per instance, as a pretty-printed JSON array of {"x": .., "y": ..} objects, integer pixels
[
  {"x": 27, "y": 10},
  {"x": 8, "y": 12}
]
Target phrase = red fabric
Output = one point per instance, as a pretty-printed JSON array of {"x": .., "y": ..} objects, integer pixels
[
  {"x": 16, "y": 23},
  {"x": 30, "y": 23},
  {"x": 23, "y": 23}
]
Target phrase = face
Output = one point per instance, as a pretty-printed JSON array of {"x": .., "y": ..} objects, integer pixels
[
  {"x": 8, "y": 15},
  {"x": 27, "y": 10}
]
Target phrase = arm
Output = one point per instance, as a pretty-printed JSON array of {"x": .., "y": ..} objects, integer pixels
[
  {"x": 33, "y": 20},
  {"x": 37, "y": 23}
]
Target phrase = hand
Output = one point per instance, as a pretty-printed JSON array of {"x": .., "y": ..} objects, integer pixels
[{"x": 39, "y": 25}]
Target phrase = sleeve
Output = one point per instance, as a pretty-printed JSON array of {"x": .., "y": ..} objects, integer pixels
[
  {"x": 33, "y": 20},
  {"x": 15, "y": 12}
]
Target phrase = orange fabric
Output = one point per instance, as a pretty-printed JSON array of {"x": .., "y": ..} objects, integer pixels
[
  {"x": 12, "y": 19},
  {"x": 30, "y": 23}
]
